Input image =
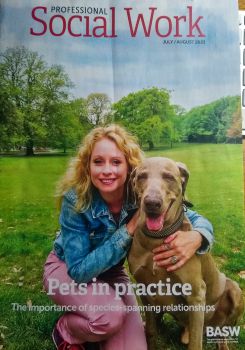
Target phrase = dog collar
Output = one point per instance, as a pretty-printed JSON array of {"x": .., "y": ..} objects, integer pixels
[{"x": 168, "y": 231}]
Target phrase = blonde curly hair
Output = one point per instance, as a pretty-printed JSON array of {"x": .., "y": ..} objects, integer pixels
[{"x": 77, "y": 175}]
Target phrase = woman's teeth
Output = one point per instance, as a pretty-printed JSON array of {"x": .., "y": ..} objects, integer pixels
[{"x": 107, "y": 181}]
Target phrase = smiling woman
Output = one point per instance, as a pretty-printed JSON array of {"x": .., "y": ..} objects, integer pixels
[{"x": 96, "y": 226}]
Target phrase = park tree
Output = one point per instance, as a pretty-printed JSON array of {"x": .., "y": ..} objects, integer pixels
[
  {"x": 98, "y": 108},
  {"x": 10, "y": 119},
  {"x": 234, "y": 133},
  {"x": 66, "y": 130},
  {"x": 149, "y": 131},
  {"x": 210, "y": 122},
  {"x": 173, "y": 129},
  {"x": 35, "y": 92},
  {"x": 79, "y": 108},
  {"x": 230, "y": 105},
  {"x": 200, "y": 124},
  {"x": 140, "y": 110}
]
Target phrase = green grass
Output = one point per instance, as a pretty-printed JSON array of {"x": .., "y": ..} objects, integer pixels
[{"x": 29, "y": 220}]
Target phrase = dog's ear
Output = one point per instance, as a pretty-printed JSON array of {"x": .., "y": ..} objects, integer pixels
[
  {"x": 131, "y": 186},
  {"x": 132, "y": 178},
  {"x": 184, "y": 174}
]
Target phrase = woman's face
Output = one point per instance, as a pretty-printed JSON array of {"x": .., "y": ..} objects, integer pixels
[{"x": 108, "y": 169}]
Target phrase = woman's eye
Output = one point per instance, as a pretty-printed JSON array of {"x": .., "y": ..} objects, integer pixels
[
  {"x": 97, "y": 161},
  {"x": 116, "y": 162},
  {"x": 168, "y": 177}
]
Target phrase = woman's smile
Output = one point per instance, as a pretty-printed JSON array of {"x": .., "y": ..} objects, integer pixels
[
  {"x": 107, "y": 181},
  {"x": 108, "y": 169}
]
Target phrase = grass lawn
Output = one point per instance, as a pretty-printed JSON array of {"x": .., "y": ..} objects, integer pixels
[{"x": 29, "y": 220}]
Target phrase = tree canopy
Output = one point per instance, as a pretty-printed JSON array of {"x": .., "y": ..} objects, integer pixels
[
  {"x": 146, "y": 113},
  {"x": 211, "y": 122},
  {"x": 31, "y": 96},
  {"x": 98, "y": 108}
]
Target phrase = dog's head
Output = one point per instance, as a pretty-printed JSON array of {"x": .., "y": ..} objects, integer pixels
[{"x": 160, "y": 185}]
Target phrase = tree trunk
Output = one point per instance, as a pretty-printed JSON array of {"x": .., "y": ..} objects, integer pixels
[
  {"x": 151, "y": 145},
  {"x": 29, "y": 148},
  {"x": 64, "y": 146}
]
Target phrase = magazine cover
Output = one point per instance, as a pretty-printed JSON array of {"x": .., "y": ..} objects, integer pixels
[{"x": 121, "y": 175}]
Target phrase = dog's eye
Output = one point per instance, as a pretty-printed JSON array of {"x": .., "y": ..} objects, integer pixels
[
  {"x": 142, "y": 176},
  {"x": 167, "y": 176}
]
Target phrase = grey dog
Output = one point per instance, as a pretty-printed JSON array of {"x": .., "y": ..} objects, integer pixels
[{"x": 160, "y": 186}]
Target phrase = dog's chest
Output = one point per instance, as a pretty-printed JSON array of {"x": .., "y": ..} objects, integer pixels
[
  {"x": 157, "y": 280},
  {"x": 141, "y": 263}
]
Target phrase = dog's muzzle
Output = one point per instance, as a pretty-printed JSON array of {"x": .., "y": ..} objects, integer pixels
[{"x": 165, "y": 232}]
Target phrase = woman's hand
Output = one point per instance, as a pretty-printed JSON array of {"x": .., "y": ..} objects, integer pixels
[
  {"x": 133, "y": 223},
  {"x": 177, "y": 249}
]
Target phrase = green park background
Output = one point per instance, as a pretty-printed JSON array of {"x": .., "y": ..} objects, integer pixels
[{"x": 41, "y": 126}]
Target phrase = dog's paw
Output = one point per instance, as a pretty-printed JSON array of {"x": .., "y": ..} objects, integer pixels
[
  {"x": 155, "y": 268},
  {"x": 185, "y": 336}
]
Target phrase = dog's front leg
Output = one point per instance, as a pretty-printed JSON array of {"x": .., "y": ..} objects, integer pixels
[
  {"x": 196, "y": 303},
  {"x": 150, "y": 330},
  {"x": 150, "y": 326}
]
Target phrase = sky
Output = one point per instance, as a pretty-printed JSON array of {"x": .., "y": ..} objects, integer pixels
[{"x": 195, "y": 74}]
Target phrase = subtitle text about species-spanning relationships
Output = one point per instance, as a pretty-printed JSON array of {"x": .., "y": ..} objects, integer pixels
[{"x": 111, "y": 308}]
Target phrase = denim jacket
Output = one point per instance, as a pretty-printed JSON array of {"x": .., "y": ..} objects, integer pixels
[{"x": 91, "y": 241}]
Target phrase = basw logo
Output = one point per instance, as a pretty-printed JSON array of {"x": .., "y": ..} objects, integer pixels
[{"x": 225, "y": 331}]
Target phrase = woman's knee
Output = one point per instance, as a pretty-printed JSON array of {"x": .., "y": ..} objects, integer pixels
[{"x": 107, "y": 323}]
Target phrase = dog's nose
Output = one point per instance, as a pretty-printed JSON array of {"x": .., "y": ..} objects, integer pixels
[{"x": 152, "y": 203}]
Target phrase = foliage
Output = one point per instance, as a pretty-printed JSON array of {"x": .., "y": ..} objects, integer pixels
[
  {"x": 32, "y": 97},
  {"x": 65, "y": 129},
  {"x": 35, "y": 110},
  {"x": 150, "y": 130},
  {"x": 98, "y": 108},
  {"x": 234, "y": 131},
  {"x": 210, "y": 123},
  {"x": 140, "y": 111},
  {"x": 10, "y": 118}
]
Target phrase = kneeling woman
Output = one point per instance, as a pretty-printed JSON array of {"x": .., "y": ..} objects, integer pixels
[{"x": 98, "y": 218}]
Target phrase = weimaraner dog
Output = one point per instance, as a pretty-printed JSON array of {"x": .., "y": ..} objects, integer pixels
[{"x": 160, "y": 185}]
